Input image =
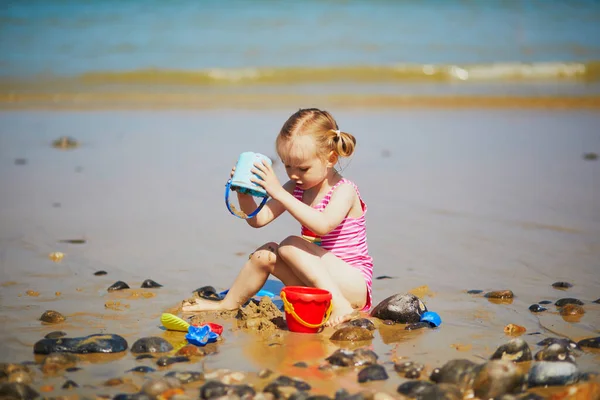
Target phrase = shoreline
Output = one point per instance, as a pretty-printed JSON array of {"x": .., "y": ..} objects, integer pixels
[{"x": 71, "y": 101}]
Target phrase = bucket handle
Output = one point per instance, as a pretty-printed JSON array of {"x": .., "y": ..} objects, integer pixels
[
  {"x": 252, "y": 214},
  {"x": 289, "y": 308}
]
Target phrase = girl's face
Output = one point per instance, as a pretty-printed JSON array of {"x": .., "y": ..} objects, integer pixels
[{"x": 302, "y": 163}]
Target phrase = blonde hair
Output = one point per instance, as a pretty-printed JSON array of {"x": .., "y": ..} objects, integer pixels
[{"x": 322, "y": 127}]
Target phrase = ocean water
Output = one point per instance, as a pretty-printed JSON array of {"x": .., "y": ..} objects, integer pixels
[{"x": 187, "y": 42}]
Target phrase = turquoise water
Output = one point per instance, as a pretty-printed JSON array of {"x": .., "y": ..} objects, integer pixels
[{"x": 61, "y": 37}]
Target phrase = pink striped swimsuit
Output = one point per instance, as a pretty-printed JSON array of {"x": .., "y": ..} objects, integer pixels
[{"x": 348, "y": 241}]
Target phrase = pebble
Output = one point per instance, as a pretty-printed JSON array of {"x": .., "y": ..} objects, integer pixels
[
  {"x": 150, "y": 284},
  {"x": 152, "y": 344},
  {"x": 375, "y": 372},
  {"x": 536, "y": 308},
  {"x": 52, "y": 317},
  {"x": 562, "y": 285},
  {"x": 118, "y": 285},
  {"x": 568, "y": 300}
]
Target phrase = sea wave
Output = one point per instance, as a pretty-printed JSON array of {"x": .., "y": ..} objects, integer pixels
[{"x": 496, "y": 72}]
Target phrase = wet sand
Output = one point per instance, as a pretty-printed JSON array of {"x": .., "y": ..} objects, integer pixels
[{"x": 458, "y": 199}]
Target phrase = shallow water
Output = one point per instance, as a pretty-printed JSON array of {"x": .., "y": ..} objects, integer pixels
[{"x": 458, "y": 200}]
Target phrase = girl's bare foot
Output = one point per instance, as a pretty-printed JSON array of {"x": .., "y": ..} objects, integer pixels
[
  {"x": 204, "y": 305},
  {"x": 341, "y": 314}
]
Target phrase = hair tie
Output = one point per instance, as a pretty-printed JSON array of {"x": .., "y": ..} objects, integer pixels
[{"x": 337, "y": 133}]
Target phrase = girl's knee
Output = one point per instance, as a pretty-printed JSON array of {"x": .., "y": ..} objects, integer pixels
[
  {"x": 265, "y": 256},
  {"x": 289, "y": 246}
]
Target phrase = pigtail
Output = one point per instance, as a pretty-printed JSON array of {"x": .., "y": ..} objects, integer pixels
[{"x": 343, "y": 143}]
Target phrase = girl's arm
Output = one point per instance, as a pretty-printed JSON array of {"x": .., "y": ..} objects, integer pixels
[
  {"x": 320, "y": 222},
  {"x": 272, "y": 209}
]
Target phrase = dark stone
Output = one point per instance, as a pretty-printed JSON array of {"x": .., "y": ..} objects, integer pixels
[
  {"x": 417, "y": 325},
  {"x": 301, "y": 364},
  {"x": 52, "y": 317},
  {"x": 152, "y": 344},
  {"x": 545, "y": 302},
  {"x": 132, "y": 396},
  {"x": 535, "y": 308},
  {"x": 385, "y": 277},
  {"x": 474, "y": 291},
  {"x": 590, "y": 156},
  {"x": 18, "y": 391},
  {"x": 562, "y": 285},
  {"x": 496, "y": 378},
  {"x": 348, "y": 358},
  {"x": 360, "y": 323},
  {"x": 375, "y": 372},
  {"x": 550, "y": 373},
  {"x": 342, "y": 394},
  {"x": 73, "y": 241},
  {"x": 415, "y": 388},
  {"x": 351, "y": 334},
  {"x": 516, "y": 350},
  {"x": 142, "y": 369},
  {"x": 100, "y": 273},
  {"x": 208, "y": 293},
  {"x": 568, "y": 343},
  {"x": 212, "y": 389},
  {"x": 150, "y": 284},
  {"x": 118, "y": 285},
  {"x": 72, "y": 369},
  {"x": 283, "y": 380},
  {"x": 402, "y": 308},
  {"x": 592, "y": 343},
  {"x": 597, "y": 301},
  {"x": 568, "y": 300},
  {"x": 500, "y": 294},
  {"x": 185, "y": 377},
  {"x": 412, "y": 373},
  {"x": 98, "y": 343},
  {"x": 301, "y": 395},
  {"x": 242, "y": 390},
  {"x": 55, "y": 335},
  {"x": 20, "y": 161},
  {"x": 457, "y": 372},
  {"x": 70, "y": 384},
  {"x": 165, "y": 361},
  {"x": 144, "y": 356},
  {"x": 555, "y": 352}
]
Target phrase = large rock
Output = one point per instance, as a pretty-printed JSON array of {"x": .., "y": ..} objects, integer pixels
[
  {"x": 403, "y": 308},
  {"x": 99, "y": 343}
]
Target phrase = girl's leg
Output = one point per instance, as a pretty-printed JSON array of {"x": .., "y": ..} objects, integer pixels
[
  {"x": 317, "y": 267},
  {"x": 252, "y": 277}
]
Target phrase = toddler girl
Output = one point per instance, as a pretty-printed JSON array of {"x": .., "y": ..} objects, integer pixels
[{"x": 331, "y": 252}]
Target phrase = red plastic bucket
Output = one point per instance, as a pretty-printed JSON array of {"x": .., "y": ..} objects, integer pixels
[{"x": 306, "y": 308}]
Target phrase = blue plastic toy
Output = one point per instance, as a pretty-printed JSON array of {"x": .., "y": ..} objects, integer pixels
[
  {"x": 432, "y": 318},
  {"x": 200, "y": 335}
]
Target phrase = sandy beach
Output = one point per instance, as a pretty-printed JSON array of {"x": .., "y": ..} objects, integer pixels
[{"x": 459, "y": 199}]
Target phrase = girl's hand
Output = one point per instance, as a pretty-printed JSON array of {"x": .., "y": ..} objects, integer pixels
[
  {"x": 232, "y": 172},
  {"x": 268, "y": 180}
]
